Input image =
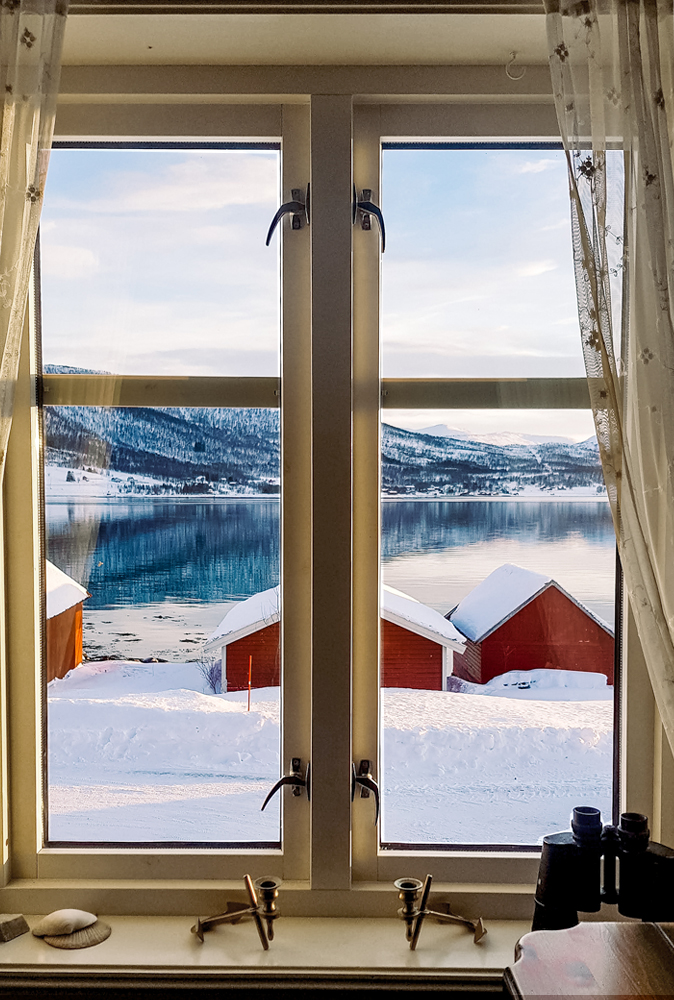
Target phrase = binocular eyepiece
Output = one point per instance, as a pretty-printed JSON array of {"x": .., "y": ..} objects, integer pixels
[{"x": 570, "y": 876}]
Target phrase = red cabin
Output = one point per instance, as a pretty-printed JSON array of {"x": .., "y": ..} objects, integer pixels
[
  {"x": 519, "y": 620},
  {"x": 64, "y": 622},
  {"x": 415, "y": 643}
]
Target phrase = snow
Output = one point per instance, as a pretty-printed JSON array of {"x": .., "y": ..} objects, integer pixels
[
  {"x": 542, "y": 682},
  {"x": 496, "y": 437},
  {"x": 462, "y": 768},
  {"x": 142, "y": 752},
  {"x": 254, "y": 613},
  {"x": 403, "y": 610},
  {"x": 503, "y": 592},
  {"x": 62, "y": 591}
]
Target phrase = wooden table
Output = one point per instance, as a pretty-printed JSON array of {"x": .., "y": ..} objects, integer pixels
[{"x": 595, "y": 960}]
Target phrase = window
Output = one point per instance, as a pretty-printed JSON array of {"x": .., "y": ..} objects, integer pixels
[
  {"x": 330, "y": 310},
  {"x": 167, "y": 516}
]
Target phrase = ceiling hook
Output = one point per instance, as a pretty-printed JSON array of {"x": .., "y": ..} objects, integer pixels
[{"x": 510, "y": 64}]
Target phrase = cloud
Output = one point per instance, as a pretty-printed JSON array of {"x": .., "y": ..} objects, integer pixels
[
  {"x": 196, "y": 183},
  {"x": 67, "y": 261},
  {"x": 564, "y": 223},
  {"x": 535, "y": 268},
  {"x": 536, "y": 166}
]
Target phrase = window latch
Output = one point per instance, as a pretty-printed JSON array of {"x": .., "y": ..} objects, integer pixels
[
  {"x": 363, "y": 777},
  {"x": 363, "y": 210},
  {"x": 295, "y": 778},
  {"x": 297, "y": 209}
]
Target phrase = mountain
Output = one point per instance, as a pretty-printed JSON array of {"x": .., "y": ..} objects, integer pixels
[
  {"x": 498, "y": 437},
  {"x": 203, "y": 449},
  {"x": 457, "y": 466}
]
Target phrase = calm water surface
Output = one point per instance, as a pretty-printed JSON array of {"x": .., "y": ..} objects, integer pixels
[{"x": 142, "y": 553}]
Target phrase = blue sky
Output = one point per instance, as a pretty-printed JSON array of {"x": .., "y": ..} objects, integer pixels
[{"x": 154, "y": 263}]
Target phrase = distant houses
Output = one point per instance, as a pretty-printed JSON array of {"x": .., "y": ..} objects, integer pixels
[
  {"x": 417, "y": 643},
  {"x": 514, "y": 620},
  {"x": 519, "y": 620},
  {"x": 64, "y": 622}
]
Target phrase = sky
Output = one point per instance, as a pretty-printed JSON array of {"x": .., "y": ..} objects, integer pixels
[{"x": 154, "y": 262}]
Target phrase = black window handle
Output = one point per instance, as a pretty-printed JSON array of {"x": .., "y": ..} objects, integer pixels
[
  {"x": 365, "y": 208},
  {"x": 295, "y": 778},
  {"x": 363, "y": 777},
  {"x": 298, "y": 208}
]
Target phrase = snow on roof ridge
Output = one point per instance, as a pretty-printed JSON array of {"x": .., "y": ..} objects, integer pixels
[
  {"x": 497, "y": 597},
  {"x": 263, "y": 609},
  {"x": 491, "y": 602},
  {"x": 62, "y": 591},
  {"x": 259, "y": 610},
  {"x": 406, "y": 611}
]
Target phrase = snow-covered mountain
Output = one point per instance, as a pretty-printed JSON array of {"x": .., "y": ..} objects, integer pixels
[
  {"x": 203, "y": 449},
  {"x": 498, "y": 437}
]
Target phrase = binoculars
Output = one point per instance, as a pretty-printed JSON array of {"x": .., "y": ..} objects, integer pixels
[{"x": 570, "y": 874}]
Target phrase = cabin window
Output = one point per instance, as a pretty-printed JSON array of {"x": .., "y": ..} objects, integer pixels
[{"x": 161, "y": 353}]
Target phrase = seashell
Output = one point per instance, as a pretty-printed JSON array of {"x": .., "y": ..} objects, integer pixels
[
  {"x": 86, "y": 937},
  {"x": 64, "y": 922}
]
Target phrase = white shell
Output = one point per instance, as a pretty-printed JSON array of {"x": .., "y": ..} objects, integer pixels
[{"x": 63, "y": 922}]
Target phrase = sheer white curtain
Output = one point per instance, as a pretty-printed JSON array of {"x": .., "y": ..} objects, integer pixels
[
  {"x": 31, "y": 39},
  {"x": 612, "y": 63}
]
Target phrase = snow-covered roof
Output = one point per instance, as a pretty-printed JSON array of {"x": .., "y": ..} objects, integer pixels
[
  {"x": 500, "y": 596},
  {"x": 262, "y": 609},
  {"x": 400, "y": 609},
  {"x": 62, "y": 591},
  {"x": 247, "y": 617}
]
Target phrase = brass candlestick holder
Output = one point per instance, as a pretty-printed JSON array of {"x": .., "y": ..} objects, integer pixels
[
  {"x": 414, "y": 915},
  {"x": 267, "y": 889},
  {"x": 235, "y": 911}
]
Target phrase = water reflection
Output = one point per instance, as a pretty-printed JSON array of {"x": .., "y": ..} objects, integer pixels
[{"x": 146, "y": 551}]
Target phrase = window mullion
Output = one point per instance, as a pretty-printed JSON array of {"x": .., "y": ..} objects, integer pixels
[
  {"x": 332, "y": 474},
  {"x": 296, "y": 498},
  {"x": 366, "y": 506}
]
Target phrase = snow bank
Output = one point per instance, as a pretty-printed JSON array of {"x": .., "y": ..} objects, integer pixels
[
  {"x": 465, "y": 768},
  {"x": 142, "y": 752},
  {"x": 541, "y": 683}
]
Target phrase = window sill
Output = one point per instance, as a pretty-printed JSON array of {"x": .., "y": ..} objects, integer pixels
[{"x": 337, "y": 951}]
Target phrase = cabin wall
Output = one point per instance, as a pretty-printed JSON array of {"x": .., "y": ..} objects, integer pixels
[
  {"x": 468, "y": 665},
  {"x": 64, "y": 642},
  {"x": 409, "y": 660},
  {"x": 553, "y": 632},
  {"x": 265, "y": 648}
]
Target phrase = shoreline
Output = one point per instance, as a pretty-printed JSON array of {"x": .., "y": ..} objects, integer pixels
[{"x": 266, "y": 498}]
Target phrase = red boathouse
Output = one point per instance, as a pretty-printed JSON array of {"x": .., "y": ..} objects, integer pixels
[
  {"x": 64, "y": 622},
  {"x": 416, "y": 643},
  {"x": 519, "y": 620}
]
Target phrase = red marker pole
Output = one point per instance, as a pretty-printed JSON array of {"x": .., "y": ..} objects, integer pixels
[{"x": 250, "y": 677}]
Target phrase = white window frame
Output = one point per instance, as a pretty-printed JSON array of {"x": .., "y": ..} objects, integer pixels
[{"x": 331, "y": 121}]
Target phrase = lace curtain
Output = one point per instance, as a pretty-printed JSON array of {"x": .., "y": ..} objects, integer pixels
[
  {"x": 31, "y": 38},
  {"x": 612, "y": 64}
]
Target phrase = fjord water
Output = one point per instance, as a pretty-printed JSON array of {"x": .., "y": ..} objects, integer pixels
[{"x": 201, "y": 555}]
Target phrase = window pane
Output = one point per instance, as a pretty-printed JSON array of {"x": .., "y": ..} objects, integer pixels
[
  {"x": 163, "y": 252},
  {"x": 497, "y": 650},
  {"x": 168, "y": 519},
  {"x": 478, "y": 272}
]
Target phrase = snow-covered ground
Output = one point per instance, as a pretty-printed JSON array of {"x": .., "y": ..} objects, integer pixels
[{"x": 143, "y": 752}]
